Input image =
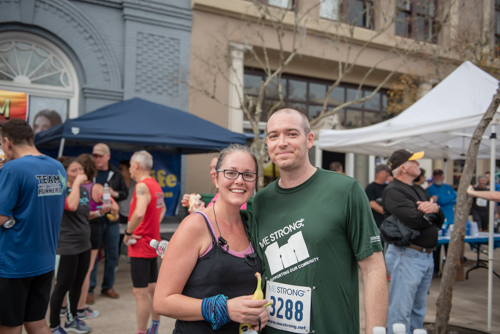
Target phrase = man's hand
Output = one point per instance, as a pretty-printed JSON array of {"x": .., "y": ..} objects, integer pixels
[
  {"x": 113, "y": 193},
  {"x": 434, "y": 198},
  {"x": 126, "y": 238},
  {"x": 427, "y": 207}
]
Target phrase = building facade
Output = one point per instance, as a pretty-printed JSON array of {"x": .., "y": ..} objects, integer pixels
[
  {"x": 379, "y": 40},
  {"x": 78, "y": 55}
]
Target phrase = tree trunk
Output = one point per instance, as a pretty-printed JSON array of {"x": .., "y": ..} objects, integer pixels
[{"x": 443, "y": 302}]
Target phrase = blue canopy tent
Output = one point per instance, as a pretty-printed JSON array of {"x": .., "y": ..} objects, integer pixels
[{"x": 138, "y": 124}]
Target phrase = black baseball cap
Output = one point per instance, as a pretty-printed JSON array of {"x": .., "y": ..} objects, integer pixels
[
  {"x": 438, "y": 172},
  {"x": 399, "y": 157}
]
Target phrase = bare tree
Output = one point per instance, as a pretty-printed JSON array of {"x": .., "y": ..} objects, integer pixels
[{"x": 274, "y": 39}]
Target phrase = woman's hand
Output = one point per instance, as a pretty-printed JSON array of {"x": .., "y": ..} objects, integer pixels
[
  {"x": 185, "y": 199},
  {"x": 79, "y": 180},
  {"x": 245, "y": 310}
]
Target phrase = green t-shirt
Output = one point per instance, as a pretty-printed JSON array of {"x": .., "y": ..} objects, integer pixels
[{"x": 312, "y": 236}]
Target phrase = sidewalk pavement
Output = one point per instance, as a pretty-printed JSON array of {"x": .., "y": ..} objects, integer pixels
[{"x": 469, "y": 301}]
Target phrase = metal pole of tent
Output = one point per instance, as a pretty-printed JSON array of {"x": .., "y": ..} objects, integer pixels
[
  {"x": 61, "y": 148},
  {"x": 491, "y": 222}
]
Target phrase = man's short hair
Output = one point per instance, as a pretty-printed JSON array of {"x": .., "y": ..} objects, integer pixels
[
  {"x": 335, "y": 166},
  {"x": 382, "y": 167},
  {"x": 144, "y": 159},
  {"x": 18, "y": 131},
  {"x": 305, "y": 121}
]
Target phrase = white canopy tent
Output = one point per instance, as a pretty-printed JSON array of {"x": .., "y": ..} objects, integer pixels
[{"x": 441, "y": 123}]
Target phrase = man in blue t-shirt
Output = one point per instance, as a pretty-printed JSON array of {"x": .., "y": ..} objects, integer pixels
[
  {"x": 32, "y": 191},
  {"x": 444, "y": 195}
]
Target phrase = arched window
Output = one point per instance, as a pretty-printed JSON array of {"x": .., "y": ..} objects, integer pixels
[{"x": 33, "y": 65}]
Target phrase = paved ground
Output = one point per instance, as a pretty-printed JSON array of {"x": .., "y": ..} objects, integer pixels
[{"x": 469, "y": 302}]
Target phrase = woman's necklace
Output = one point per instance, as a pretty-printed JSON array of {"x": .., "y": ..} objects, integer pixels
[{"x": 222, "y": 242}]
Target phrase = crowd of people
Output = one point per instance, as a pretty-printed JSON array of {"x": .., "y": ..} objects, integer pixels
[{"x": 307, "y": 247}]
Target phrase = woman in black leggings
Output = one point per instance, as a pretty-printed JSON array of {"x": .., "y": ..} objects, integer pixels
[{"x": 74, "y": 250}]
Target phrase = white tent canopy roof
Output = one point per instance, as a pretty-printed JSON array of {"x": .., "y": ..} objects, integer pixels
[{"x": 441, "y": 123}]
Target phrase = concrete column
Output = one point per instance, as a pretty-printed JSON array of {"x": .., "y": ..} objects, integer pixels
[
  {"x": 235, "y": 95},
  {"x": 371, "y": 168},
  {"x": 349, "y": 164}
]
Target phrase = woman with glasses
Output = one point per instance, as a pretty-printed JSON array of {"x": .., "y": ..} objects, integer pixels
[{"x": 206, "y": 280}]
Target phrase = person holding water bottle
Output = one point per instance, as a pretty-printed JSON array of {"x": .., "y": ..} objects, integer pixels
[
  {"x": 147, "y": 209},
  {"x": 210, "y": 259}
]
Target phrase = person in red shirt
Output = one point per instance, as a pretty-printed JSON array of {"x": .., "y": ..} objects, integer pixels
[{"x": 146, "y": 212}]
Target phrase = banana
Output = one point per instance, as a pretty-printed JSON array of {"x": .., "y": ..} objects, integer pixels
[
  {"x": 110, "y": 217},
  {"x": 258, "y": 294},
  {"x": 192, "y": 201}
]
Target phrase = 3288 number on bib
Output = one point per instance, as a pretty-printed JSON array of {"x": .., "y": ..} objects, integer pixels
[{"x": 291, "y": 309}]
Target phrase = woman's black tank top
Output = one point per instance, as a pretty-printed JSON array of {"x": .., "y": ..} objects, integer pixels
[{"x": 218, "y": 272}]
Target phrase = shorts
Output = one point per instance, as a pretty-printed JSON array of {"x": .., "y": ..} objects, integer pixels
[
  {"x": 95, "y": 235},
  {"x": 143, "y": 271},
  {"x": 24, "y": 299}
]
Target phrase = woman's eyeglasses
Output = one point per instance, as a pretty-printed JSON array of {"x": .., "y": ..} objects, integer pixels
[{"x": 233, "y": 175}]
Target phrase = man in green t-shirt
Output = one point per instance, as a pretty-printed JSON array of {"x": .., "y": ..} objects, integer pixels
[{"x": 313, "y": 228}]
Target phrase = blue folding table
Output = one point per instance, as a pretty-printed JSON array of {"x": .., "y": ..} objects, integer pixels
[{"x": 476, "y": 241}]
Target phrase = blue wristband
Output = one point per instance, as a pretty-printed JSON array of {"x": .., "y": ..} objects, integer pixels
[{"x": 214, "y": 311}]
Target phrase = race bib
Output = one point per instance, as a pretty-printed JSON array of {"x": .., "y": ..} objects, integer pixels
[
  {"x": 291, "y": 309},
  {"x": 481, "y": 202}
]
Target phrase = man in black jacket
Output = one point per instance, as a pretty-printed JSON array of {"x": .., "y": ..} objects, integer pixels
[
  {"x": 109, "y": 231},
  {"x": 412, "y": 266}
]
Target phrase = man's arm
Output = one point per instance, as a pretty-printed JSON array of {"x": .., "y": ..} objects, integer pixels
[
  {"x": 163, "y": 210},
  {"x": 143, "y": 197},
  {"x": 3, "y": 219},
  {"x": 376, "y": 292},
  {"x": 376, "y": 207},
  {"x": 119, "y": 189},
  {"x": 404, "y": 207}
]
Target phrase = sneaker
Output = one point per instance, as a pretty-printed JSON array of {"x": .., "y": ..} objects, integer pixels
[
  {"x": 77, "y": 326},
  {"x": 153, "y": 329},
  {"x": 87, "y": 313},
  {"x": 63, "y": 312},
  {"x": 58, "y": 330}
]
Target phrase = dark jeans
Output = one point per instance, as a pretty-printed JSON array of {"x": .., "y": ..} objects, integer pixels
[{"x": 110, "y": 236}]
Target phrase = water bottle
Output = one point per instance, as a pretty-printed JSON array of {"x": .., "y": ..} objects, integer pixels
[
  {"x": 106, "y": 200},
  {"x": 159, "y": 246},
  {"x": 106, "y": 194},
  {"x": 379, "y": 330},
  {"x": 9, "y": 222},
  {"x": 398, "y": 329}
]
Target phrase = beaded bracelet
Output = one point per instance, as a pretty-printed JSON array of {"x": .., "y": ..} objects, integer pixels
[{"x": 214, "y": 311}]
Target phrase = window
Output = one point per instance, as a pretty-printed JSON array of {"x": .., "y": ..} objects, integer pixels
[
  {"x": 357, "y": 12},
  {"x": 33, "y": 65},
  {"x": 29, "y": 63},
  {"x": 307, "y": 95},
  {"x": 285, "y": 4},
  {"x": 417, "y": 19}
]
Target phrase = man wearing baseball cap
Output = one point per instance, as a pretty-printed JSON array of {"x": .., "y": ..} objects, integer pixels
[
  {"x": 412, "y": 266},
  {"x": 374, "y": 192},
  {"x": 109, "y": 231}
]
